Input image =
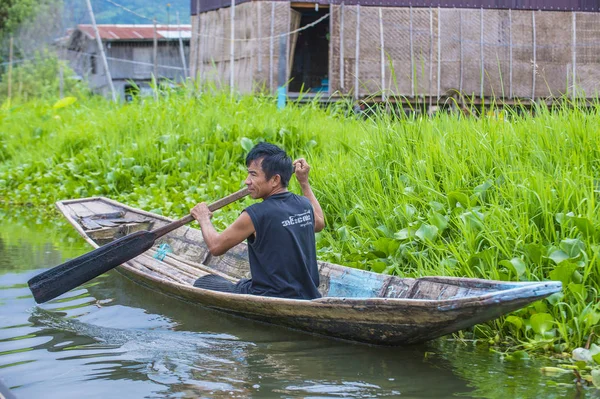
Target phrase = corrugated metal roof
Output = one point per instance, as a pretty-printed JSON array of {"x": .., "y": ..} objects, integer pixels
[
  {"x": 547, "y": 5},
  {"x": 137, "y": 32}
]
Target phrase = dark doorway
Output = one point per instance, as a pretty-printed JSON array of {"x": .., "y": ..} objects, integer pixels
[{"x": 310, "y": 69}]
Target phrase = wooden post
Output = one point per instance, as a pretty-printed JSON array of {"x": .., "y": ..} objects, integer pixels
[
  {"x": 181, "y": 52},
  {"x": 101, "y": 49},
  {"x": 429, "y": 90},
  {"x": 10, "y": 61},
  {"x": 271, "y": 47},
  {"x": 439, "y": 52},
  {"x": 574, "y": 54},
  {"x": 412, "y": 60},
  {"x": 342, "y": 46},
  {"x": 481, "y": 51},
  {"x": 357, "y": 52},
  {"x": 155, "y": 51},
  {"x": 510, "y": 56},
  {"x": 232, "y": 48},
  {"x": 534, "y": 57},
  {"x": 460, "y": 39},
  {"x": 382, "y": 53}
]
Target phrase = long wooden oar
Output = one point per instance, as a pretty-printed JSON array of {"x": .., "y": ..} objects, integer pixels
[{"x": 62, "y": 278}]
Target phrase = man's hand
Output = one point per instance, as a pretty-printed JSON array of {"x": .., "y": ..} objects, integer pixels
[
  {"x": 301, "y": 168},
  {"x": 201, "y": 212}
]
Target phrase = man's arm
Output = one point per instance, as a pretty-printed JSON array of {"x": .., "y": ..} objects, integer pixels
[
  {"x": 219, "y": 243},
  {"x": 301, "y": 168}
]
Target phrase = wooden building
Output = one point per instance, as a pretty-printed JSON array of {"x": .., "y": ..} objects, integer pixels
[
  {"x": 419, "y": 50},
  {"x": 135, "y": 53}
]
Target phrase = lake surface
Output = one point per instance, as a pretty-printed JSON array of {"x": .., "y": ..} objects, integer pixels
[{"x": 113, "y": 338}]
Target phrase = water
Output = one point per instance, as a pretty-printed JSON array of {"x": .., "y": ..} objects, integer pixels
[{"x": 112, "y": 337}]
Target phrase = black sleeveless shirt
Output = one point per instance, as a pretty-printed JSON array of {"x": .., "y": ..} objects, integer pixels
[{"x": 282, "y": 252}]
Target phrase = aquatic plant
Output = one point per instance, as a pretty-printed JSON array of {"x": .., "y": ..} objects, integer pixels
[{"x": 506, "y": 195}]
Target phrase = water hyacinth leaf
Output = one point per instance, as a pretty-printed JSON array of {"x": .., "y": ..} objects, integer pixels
[
  {"x": 594, "y": 349},
  {"x": 591, "y": 319},
  {"x": 585, "y": 226},
  {"x": 515, "y": 321},
  {"x": 595, "y": 373},
  {"x": 438, "y": 221},
  {"x": 573, "y": 247},
  {"x": 384, "y": 231},
  {"x": 473, "y": 219},
  {"x": 563, "y": 273},
  {"x": 404, "y": 234},
  {"x": 482, "y": 188},
  {"x": 448, "y": 263},
  {"x": 378, "y": 266},
  {"x": 515, "y": 265},
  {"x": 343, "y": 233},
  {"x": 561, "y": 218},
  {"x": 247, "y": 144},
  {"x": 534, "y": 252},
  {"x": 427, "y": 232},
  {"x": 596, "y": 359},
  {"x": 541, "y": 323},
  {"x": 578, "y": 289},
  {"x": 64, "y": 102},
  {"x": 437, "y": 206},
  {"x": 386, "y": 246},
  {"x": 555, "y": 298},
  {"x": 558, "y": 256},
  {"x": 311, "y": 144},
  {"x": 456, "y": 199}
]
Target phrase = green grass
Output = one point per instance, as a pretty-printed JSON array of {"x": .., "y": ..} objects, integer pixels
[{"x": 509, "y": 195}]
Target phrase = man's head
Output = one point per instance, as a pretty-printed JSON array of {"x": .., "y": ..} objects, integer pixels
[{"x": 274, "y": 164}]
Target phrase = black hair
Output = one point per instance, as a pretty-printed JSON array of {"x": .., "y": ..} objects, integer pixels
[{"x": 275, "y": 161}]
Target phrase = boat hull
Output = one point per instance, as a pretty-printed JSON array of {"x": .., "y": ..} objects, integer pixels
[{"x": 357, "y": 305}]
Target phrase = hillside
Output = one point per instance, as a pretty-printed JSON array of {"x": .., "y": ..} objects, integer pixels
[{"x": 107, "y": 12}]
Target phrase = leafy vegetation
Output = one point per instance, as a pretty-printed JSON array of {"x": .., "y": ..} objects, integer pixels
[{"x": 507, "y": 195}]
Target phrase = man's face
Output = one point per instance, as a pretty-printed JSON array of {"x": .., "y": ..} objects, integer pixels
[{"x": 257, "y": 182}]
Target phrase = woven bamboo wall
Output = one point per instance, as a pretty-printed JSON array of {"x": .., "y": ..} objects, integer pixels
[
  {"x": 428, "y": 52},
  {"x": 256, "y": 53},
  {"x": 490, "y": 53}
]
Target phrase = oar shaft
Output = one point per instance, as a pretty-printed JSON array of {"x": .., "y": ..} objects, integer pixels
[{"x": 161, "y": 231}]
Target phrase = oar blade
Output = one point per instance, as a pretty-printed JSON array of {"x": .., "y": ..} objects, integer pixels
[{"x": 62, "y": 278}]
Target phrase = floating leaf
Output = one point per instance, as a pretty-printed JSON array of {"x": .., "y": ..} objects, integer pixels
[
  {"x": 456, "y": 198},
  {"x": 515, "y": 265},
  {"x": 516, "y": 321},
  {"x": 563, "y": 273},
  {"x": 585, "y": 226},
  {"x": 558, "y": 256},
  {"x": 427, "y": 232},
  {"x": 343, "y": 233},
  {"x": 573, "y": 247},
  {"x": 403, "y": 234},
  {"x": 555, "y": 298},
  {"x": 541, "y": 322},
  {"x": 386, "y": 246},
  {"x": 534, "y": 252},
  {"x": 438, "y": 221},
  {"x": 64, "y": 102},
  {"x": 578, "y": 289},
  {"x": 596, "y": 377},
  {"x": 247, "y": 144},
  {"x": 378, "y": 266}
]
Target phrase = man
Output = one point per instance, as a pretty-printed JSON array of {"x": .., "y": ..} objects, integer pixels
[{"x": 280, "y": 230}]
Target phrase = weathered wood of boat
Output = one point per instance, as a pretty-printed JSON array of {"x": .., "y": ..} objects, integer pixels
[{"x": 356, "y": 304}]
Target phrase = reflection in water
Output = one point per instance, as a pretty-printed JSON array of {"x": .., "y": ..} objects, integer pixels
[{"x": 113, "y": 336}]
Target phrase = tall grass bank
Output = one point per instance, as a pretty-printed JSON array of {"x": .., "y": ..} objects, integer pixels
[{"x": 508, "y": 196}]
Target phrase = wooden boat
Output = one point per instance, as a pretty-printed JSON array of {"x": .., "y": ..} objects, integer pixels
[{"x": 356, "y": 305}]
